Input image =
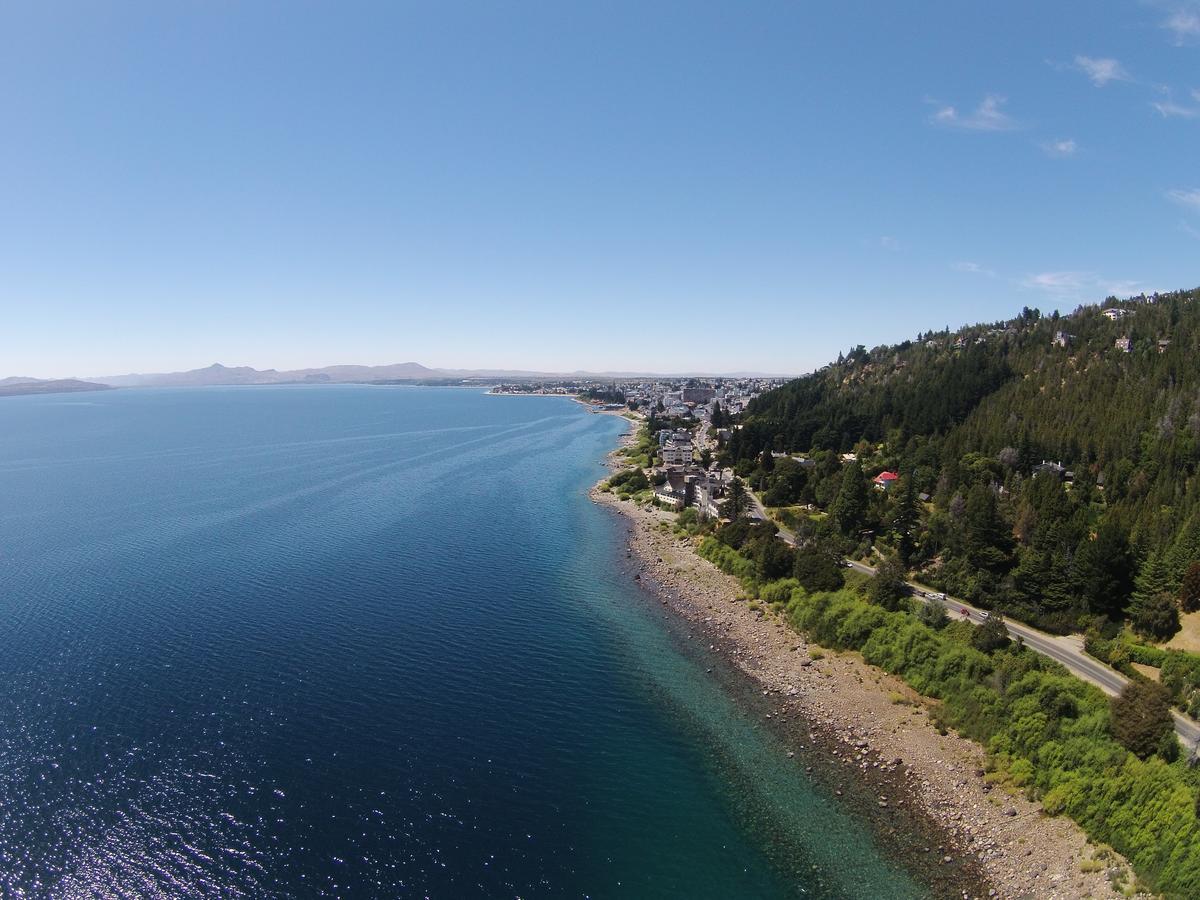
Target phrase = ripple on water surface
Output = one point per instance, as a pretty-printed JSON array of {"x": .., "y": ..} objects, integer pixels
[{"x": 358, "y": 641}]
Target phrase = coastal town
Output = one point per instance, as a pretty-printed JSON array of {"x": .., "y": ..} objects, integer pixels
[{"x": 690, "y": 420}]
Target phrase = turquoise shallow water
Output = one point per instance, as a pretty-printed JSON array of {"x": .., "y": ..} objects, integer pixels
[{"x": 365, "y": 641}]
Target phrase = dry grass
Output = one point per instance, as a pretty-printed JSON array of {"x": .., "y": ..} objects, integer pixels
[
  {"x": 1149, "y": 671},
  {"x": 1189, "y": 634}
]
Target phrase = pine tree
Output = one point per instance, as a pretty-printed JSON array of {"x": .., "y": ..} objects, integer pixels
[
  {"x": 1189, "y": 592},
  {"x": 888, "y": 588},
  {"x": 817, "y": 570},
  {"x": 992, "y": 635},
  {"x": 905, "y": 519},
  {"x": 1104, "y": 571},
  {"x": 1184, "y": 551},
  {"x": 1141, "y": 717},
  {"x": 1153, "y": 611},
  {"x": 849, "y": 508},
  {"x": 987, "y": 542},
  {"x": 735, "y": 503}
]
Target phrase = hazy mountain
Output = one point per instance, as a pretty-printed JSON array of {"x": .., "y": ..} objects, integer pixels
[
  {"x": 218, "y": 374},
  {"x": 13, "y": 386}
]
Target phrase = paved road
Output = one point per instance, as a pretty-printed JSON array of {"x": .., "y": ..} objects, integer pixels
[{"x": 1065, "y": 650}]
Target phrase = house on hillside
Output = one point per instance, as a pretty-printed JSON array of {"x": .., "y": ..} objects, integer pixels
[
  {"x": 677, "y": 453},
  {"x": 669, "y": 495},
  {"x": 885, "y": 480},
  {"x": 1124, "y": 344},
  {"x": 1163, "y": 345},
  {"x": 1061, "y": 339},
  {"x": 1057, "y": 469},
  {"x": 1113, "y": 313}
]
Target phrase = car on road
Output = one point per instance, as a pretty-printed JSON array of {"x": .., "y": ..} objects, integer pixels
[
  {"x": 934, "y": 595},
  {"x": 985, "y": 615}
]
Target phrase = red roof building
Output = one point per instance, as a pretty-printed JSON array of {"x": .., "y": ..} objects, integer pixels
[{"x": 884, "y": 480}]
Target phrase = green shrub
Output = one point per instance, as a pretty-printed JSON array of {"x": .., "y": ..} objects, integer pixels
[{"x": 1051, "y": 732}]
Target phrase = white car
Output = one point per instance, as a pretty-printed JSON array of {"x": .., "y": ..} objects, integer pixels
[{"x": 934, "y": 595}]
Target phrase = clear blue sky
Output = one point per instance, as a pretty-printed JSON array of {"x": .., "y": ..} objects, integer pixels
[{"x": 561, "y": 185}]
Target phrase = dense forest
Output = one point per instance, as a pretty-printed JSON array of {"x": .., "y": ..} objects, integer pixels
[{"x": 1047, "y": 464}]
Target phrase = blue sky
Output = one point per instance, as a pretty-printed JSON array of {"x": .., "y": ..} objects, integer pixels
[{"x": 619, "y": 185}]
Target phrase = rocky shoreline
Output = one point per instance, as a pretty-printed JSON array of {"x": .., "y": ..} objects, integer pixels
[{"x": 995, "y": 842}]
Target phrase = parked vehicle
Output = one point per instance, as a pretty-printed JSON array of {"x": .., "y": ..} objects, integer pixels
[{"x": 935, "y": 595}]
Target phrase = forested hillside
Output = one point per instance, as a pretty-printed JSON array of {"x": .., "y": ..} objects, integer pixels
[{"x": 967, "y": 420}]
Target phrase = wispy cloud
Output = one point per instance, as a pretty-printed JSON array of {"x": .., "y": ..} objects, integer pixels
[
  {"x": 987, "y": 116},
  {"x": 1056, "y": 282},
  {"x": 1074, "y": 285},
  {"x": 1060, "y": 148},
  {"x": 1169, "y": 109},
  {"x": 1189, "y": 230},
  {"x": 1188, "y": 198},
  {"x": 972, "y": 268},
  {"x": 887, "y": 242},
  {"x": 1183, "y": 22},
  {"x": 1101, "y": 70}
]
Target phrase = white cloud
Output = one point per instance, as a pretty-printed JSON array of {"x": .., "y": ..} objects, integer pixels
[
  {"x": 1170, "y": 109},
  {"x": 1080, "y": 285},
  {"x": 1189, "y": 230},
  {"x": 1060, "y": 148},
  {"x": 887, "y": 242},
  {"x": 1101, "y": 70},
  {"x": 973, "y": 268},
  {"x": 1184, "y": 23},
  {"x": 987, "y": 116},
  {"x": 1118, "y": 288},
  {"x": 1056, "y": 282},
  {"x": 1190, "y": 199}
]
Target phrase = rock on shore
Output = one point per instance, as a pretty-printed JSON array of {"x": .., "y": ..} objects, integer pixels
[{"x": 877, "y": 722}]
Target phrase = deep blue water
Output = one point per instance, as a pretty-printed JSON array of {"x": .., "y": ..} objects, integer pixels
[{"x": 364, "y": 641}]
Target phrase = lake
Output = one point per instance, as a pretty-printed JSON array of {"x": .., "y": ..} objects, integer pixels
[{"x": 366, "y": 641}]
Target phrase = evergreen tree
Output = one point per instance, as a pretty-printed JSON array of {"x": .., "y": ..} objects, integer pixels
[
  {"x": 992, "y": 635},
  {"x": 933, "y": 613},
  {"x": 1154, "y": 615},
  {"x": 736, "y": 503},
  {"x": 1104, "y": 571},
  {"x": 986, "y": 541},
  {"x": 718, "y": 416},
  {"x": 905, "y": 519},
  {"x": 767, "y": 462},
  {"x": 1184, "y": 550},
  {"x": 1026, "y": 455},
  {"x": 775, "y": 559},
  {"x": 1189, "y": 592},
  {"x": 888, "y": 588},
  {"x": 1141, "y": 717},
  {"x": 849, "y": 509},
  {"x": 818, "y": 570}
]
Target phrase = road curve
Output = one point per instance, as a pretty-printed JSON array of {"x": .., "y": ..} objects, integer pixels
[{"x": 1067, "y": 651}]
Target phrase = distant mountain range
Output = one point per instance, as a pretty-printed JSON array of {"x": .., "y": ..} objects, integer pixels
[
  {"x": 218, "y": 374},
  {"x": 14, "y": 386}
]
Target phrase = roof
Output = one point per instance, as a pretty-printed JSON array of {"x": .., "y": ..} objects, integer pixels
[{"x": 886, "y": 476}]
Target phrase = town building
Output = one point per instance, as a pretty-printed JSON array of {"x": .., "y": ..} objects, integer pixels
[
  {"x": 678, "y": 453},
  {"x": 885, "y": 480}
]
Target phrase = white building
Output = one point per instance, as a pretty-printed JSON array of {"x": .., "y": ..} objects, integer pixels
[{"x": 676, "y": 453}]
